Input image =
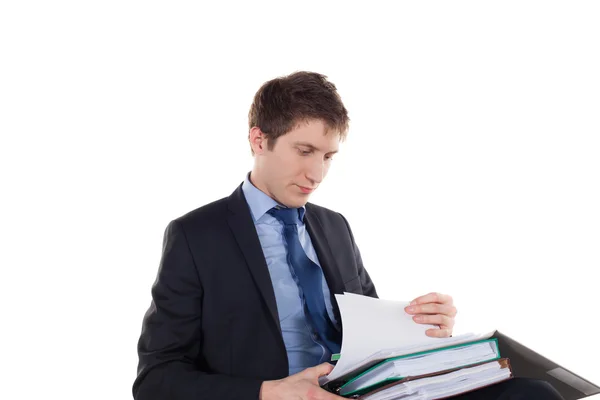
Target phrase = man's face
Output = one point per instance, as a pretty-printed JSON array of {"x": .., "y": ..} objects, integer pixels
[{"x": 296, "y": 165}]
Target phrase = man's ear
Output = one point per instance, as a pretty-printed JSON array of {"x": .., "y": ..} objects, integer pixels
[{"x": 258, "y": 140}]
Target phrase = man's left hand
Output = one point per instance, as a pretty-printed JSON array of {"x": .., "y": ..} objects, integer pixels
[{"x": 435, "y": 309}]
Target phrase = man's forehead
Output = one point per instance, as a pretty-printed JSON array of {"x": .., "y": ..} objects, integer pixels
[{"x": 316, "y": 135}]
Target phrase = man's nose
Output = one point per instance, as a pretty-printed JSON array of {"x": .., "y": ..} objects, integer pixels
[{"x": 316, "y": 171}]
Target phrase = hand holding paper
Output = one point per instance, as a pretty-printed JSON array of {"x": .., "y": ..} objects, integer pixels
[
  {"x": 302, "y": 386},
  {"x": 434, "y": 309}
]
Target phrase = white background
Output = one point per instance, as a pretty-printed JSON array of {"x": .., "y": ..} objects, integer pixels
[{"x": 472, "y": 165}]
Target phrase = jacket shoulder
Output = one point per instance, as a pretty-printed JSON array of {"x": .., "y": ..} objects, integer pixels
[{"x": 205, "y": 215}]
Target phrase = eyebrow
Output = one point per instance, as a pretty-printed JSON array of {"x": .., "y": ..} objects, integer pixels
[{"x": 310, "y": 146}]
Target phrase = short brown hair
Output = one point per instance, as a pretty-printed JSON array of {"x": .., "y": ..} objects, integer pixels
[{"x": 282, "y": 103}]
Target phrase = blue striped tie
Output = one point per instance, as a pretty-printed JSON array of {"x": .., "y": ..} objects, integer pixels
[{"x": 309, "y": 277}]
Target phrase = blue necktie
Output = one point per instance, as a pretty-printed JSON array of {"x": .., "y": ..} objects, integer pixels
[{"x": 309, "y": 277}]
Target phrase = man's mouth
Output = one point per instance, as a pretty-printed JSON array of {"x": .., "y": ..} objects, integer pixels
[{"x": 306, "y": 189}]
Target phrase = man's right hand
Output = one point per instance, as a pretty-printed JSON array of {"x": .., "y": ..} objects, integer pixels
[{"x": 301, "y": 386}]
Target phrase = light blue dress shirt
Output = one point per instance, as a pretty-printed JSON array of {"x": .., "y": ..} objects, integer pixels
[{"x": 304, "y": 349}]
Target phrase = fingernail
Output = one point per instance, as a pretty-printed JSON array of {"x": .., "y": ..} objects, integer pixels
[
  {"x": 410, "y": 309},
  {"x": 418, "y": 318},
  {"x": 413, "y": 303}
]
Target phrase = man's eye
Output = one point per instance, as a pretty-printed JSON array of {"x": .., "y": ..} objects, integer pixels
[{"x": 305, "y": 152}]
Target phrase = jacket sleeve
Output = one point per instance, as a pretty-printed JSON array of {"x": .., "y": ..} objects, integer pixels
[
  {"x": 368, "y": 287},
  {"x": 169, "y": 345}
]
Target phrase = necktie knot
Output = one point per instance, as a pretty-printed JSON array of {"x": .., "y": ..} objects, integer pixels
[{"x": 289, "y": 216}]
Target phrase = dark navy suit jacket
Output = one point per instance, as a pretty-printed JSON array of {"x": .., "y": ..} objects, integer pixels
[{"x": 212, "y": 330}]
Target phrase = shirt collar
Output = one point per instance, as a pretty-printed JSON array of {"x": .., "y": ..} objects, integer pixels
[{"x": 259, "y": 202}]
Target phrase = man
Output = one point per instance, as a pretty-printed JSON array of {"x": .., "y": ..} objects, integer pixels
[{"x": 243, "y": 304}]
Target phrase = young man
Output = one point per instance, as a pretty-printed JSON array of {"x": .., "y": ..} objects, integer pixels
[{"x": 243, "y": 304}]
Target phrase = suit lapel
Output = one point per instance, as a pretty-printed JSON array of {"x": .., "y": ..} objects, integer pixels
[
  {"x": 242, "y": 226},
  {"x": 244, "y": 231},
  {"x": 326, "y": 258}
]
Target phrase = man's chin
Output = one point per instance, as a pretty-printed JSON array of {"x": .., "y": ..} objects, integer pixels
[{"x": 296, "y": 202}]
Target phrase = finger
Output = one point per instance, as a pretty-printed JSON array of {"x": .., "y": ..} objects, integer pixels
[
  {"x": 438, "y": 319},
  {"x": 320, "y": 370},
  {"x": 313, "y": 373},
  {"x": 433, "y": 297},
  {"x": 432, "y": 308},
  {"x": 448, "y": 328},
  {"x": 439, "y": 333}
]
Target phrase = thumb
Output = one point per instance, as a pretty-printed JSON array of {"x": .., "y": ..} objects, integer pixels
[{"x": 320, "y": 370}]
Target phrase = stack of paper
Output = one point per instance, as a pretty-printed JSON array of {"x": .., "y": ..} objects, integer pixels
[{"x": 386, "y": 354}]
